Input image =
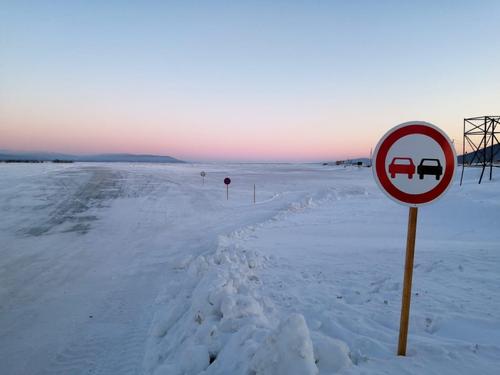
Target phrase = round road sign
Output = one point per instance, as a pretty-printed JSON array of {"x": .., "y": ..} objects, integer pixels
[
  {"x": 227, "y": 180},
  {"x": 414, "y": 163},
  {"x": 203, "y": 174}
]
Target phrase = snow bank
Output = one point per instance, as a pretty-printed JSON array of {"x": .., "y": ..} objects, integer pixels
[
  {"x": 213, "y": 317},
  {"x": 214, "y": 320}
]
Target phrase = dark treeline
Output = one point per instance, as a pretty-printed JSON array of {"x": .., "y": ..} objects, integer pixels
[{"x": 34, "y": 161}]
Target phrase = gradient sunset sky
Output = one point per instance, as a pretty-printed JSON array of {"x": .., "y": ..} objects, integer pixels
[{"x": 241, "y": 81}]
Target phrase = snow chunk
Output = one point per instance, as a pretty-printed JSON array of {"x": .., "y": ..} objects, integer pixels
[
  {"x": 331, "y": 354},
  {"x": 288, "y": 350},
  {"x": 193, "y": 360}
]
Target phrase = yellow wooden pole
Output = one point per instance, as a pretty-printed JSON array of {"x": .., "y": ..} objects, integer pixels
[{"x": 405, "y": 304}]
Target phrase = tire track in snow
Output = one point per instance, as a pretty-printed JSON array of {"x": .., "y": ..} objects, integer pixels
[
  {"x": 113, "y": 337},
  {"x": 102, "y": 185}
]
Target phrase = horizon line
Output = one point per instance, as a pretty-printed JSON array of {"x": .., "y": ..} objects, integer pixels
[{"x": 79, "y": 154}]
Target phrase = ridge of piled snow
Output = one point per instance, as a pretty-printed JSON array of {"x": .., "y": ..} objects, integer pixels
[{"x": 214, "y": 320}]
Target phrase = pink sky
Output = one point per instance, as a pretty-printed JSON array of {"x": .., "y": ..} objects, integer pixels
[
  {"x": 183, "y": 144},
  {"x": 209, "y": 134}
]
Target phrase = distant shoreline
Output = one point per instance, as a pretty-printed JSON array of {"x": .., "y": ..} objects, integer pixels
[{"x": 37, "y": 157}]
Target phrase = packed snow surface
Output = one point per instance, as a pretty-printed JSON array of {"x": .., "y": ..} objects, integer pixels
[{"x": 145, "y": 269}]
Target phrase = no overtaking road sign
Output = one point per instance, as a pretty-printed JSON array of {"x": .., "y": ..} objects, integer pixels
[{"x": 414, "y": 163}]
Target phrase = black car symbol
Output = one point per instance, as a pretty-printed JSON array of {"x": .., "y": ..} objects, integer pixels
[{"x": 430, "y": 167}]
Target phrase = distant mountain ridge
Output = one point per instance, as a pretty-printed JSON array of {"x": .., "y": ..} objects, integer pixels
[
  {"x": 468, "y": 157},
  {"x": 49, "y": 156}
]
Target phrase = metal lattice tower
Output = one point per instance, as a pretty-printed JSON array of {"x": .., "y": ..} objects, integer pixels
[{"x": 481, "y": 134}]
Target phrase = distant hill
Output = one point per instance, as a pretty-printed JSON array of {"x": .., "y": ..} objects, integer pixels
[
  {"x": 467, "y": 158},
  {"x": 131, "y": 158},
  {"x": 41, "y": 156},
  {"x": 49, "y": 156}
]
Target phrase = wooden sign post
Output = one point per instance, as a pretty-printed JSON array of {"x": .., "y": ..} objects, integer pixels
[
  {"x": 412, "y": 149},
  {"x": 406, "y": 299}
]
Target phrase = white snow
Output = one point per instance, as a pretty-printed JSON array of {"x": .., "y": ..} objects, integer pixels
[
  {"x": 288, "y": 350},
  {"x": 141, "y": 269}
]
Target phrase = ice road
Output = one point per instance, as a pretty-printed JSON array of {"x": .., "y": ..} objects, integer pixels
[{"x": 142, "y": 269}]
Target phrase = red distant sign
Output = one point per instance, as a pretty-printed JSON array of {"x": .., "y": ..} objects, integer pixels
[
  {"x": 227, "y": 180},
  {"x": 414, "y": 163}
]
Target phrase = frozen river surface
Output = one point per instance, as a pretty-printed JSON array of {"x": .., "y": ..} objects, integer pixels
[{"x": 142, "y": 269}]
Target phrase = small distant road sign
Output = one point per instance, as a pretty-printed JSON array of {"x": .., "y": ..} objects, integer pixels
[
  {"x": 415, "y": 147},
  {"x": 203, "y": 174},
  {"x": 411, "y": 148},
  {"x": 227, "y": 181}
]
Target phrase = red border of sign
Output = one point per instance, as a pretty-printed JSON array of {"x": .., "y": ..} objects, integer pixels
[{"x": 398, "y": 132}]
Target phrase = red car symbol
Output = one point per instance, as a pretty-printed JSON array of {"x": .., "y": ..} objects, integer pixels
[{"x": 401, "y": 165}]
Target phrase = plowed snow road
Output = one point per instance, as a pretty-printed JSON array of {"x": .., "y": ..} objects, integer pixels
[{"x": 85, "y": 249}]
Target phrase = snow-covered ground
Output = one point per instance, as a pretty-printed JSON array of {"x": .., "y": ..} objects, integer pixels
[{"x": 141, "y": 269}]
